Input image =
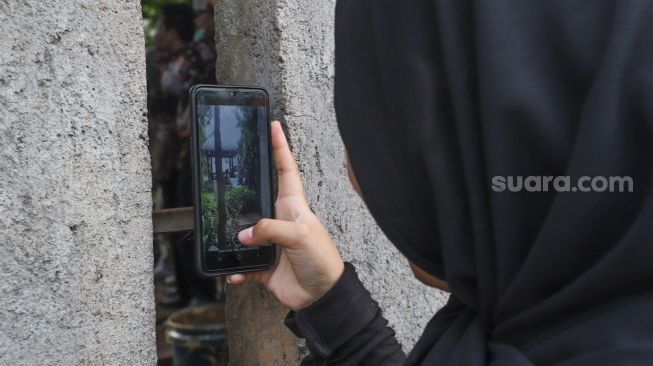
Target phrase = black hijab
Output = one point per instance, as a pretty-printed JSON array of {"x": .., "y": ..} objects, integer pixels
[{"x": 434, "y": 98}]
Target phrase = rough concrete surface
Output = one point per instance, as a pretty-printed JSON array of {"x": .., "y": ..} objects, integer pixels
[
  {"x": 287, "y": 46},
  {"x": 75, "y": 209}
]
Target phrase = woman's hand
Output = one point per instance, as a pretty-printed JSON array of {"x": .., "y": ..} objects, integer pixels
[{"x": 309, "y": 263}]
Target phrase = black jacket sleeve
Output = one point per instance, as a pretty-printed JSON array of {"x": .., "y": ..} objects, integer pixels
[{"x": 346, "y": 327}]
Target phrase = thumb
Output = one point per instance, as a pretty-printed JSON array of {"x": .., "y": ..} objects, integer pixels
[{"x": 286, "y": 234}]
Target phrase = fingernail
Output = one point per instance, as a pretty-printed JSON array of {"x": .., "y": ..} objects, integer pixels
[
  {"x": 229, "y": 279},
  {"x": 246, "y": 235}
]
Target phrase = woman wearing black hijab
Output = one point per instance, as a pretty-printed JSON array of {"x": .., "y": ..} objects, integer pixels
[{"x": 433, "y": 100}]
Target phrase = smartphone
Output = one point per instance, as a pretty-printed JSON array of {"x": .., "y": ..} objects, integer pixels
[{"x": 232, "y": 176}]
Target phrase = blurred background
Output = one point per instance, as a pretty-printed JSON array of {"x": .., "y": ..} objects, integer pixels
[{"x": 180, "y": 52}]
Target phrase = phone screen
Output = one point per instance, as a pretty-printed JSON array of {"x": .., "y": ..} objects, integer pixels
[{"x": 233, "y": 174}]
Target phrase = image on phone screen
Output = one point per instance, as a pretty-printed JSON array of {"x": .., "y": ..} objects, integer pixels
[{"x": 233, "y": 176}]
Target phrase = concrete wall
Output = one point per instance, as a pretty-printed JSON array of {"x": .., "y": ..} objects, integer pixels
[
  {"x": 75, "y": 208},
  {"x": 286, "y": 46}
]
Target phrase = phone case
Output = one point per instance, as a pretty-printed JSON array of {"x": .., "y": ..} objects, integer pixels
[{"x": 196, "y": 194}]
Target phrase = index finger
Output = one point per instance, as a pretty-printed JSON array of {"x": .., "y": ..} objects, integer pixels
[{"x": 290, "y": 184}]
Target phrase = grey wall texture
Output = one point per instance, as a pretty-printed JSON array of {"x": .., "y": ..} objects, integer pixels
[
  {"x": 75, "y": 207},
  {"x": 287, "y": 46}
]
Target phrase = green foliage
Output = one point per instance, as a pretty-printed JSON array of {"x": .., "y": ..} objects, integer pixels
[
  {"x": 209, "y": 201},
  {"x": 236, "y": 201},
  {"x": 248, "y": 145},
  {"x": 239, "y": 198},
  {"x": 205, "y": 161},
  {"x": 151, "y": 10},
  {"x": 209, "y": 216}
]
